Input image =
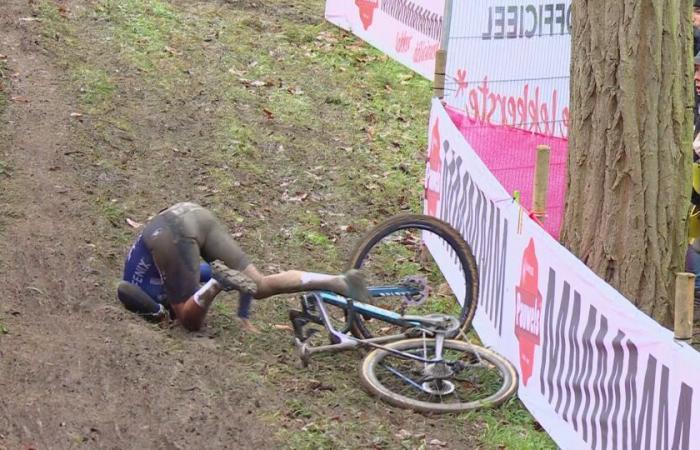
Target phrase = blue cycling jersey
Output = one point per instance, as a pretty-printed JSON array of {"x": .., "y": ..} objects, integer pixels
[{"x": 140, "y": 269}]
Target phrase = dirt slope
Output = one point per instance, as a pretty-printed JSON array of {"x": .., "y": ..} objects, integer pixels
[{"x": 74, "y": 369}]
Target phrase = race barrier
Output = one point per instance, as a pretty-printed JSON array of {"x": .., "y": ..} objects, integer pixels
[
  {"x": 506, "y": 76},
  {"x": 409, "y": 31},
  {"x": 507, "y": 89},
  {"x": 594, "y": 371}
]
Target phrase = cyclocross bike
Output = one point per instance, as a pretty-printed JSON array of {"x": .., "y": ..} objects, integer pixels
[{"x": 414, "y": 361}]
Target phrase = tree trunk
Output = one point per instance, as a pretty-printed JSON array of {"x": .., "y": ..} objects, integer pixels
[{"x": 630, "y": 145}]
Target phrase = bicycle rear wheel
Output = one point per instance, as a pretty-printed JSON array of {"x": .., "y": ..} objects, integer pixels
[
  {"x": 485, "y": 380},
  {"x": 397, "y": 250}
]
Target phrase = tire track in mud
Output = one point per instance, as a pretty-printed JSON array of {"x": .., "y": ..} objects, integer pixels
[{"x": 74, "y": 368}]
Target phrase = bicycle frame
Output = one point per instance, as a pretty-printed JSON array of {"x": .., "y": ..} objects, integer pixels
[{"x": 317, "y": 301}]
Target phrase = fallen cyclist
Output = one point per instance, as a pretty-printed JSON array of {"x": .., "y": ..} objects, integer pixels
[{"x": 163, "y": 270}]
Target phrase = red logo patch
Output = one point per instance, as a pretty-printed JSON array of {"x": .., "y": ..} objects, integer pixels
[
  {"x": 366, "y": 8},
  {"x": 528, "y": 310},
  {"x": 432, "y": 178}
]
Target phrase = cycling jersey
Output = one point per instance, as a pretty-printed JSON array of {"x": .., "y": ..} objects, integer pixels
[{"x": 165, "y": 259}]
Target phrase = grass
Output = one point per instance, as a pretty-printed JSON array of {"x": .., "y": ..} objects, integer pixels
[
  {"x": 299, "y": 137},
  {"x": 510, "y": 427},
  {"x": 96, "y": 87}
]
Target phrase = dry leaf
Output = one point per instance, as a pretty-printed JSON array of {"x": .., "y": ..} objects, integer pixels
[
  {"x": 172, "y": 51},
  {"x": 284, "y": 327},
  {"x": 76, "y": 114},
  {"x": 268, "y": 113},
  {"x": 133, "y": 223},
  {"x": 404, "y": 434},
  {"x": 20, "y": 99}
]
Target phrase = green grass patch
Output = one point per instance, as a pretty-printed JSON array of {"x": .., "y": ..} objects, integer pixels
[
  {"x": 96, "y": 87},
  {"x": 511, "y": 427},
  {"x": 145, "y": 32},
  {"x": 3, "y": 87},
  {"x": 4, "y": 168}
]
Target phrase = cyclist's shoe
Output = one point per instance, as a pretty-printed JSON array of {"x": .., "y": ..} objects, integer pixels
[
  {"x": 357, "y": 287},
  {"x": 232, "y": 280}
]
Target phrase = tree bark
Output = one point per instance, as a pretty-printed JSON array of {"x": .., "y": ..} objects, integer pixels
[{"x": 630, "y": 150}]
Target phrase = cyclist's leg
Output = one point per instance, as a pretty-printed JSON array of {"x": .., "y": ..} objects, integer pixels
[
  {"x": 138, "y": 301},
  {"x": 219, "y": 245},
  {"x": 350, "y": 283},
  {"x": 177, "y": 258}
]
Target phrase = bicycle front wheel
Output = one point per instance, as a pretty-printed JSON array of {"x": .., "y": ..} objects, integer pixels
[
  {"x": 471, "y": 377},
  {"x": 402, "y": 248}
]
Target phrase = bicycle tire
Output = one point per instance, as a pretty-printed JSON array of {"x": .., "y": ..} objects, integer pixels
[
  {"x": 371, "y": 382},
  {"x": 445, "y": 232}
]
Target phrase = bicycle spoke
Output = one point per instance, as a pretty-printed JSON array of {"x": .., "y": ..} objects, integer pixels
[
  {"x": 443, "y": 385},
  {"x": 403, "y": 377}
]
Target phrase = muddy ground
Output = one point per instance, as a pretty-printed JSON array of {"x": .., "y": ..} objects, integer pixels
[{"x": 113, "y": 110}]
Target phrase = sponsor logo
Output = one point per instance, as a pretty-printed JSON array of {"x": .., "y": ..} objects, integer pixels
[
  {"x": 528, "y": 310},
  {"x": 366, "y": 8},
  {"x": 432, "y": 176}
]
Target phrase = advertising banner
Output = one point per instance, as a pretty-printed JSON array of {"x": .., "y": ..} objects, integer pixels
[
  {"x": 409, "y": 31},
  {"x": 507, "y": 89},
  {"x": 593, "y": 370}
]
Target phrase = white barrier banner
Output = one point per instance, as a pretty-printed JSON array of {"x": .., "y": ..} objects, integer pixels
[
  {"x": 593, "y": 370},
  {"x": 407, "y": 30},
  {"x": 507, "y": 88}
]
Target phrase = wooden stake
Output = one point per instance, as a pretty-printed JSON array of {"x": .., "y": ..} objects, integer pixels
[
  {"x": 683, "y": 314},
  {"x": 541, "y": 183},
  {"x": 440, "y": 67}
]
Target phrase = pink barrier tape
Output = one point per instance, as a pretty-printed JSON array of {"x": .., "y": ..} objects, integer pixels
[{"x": 510, "y": 154}]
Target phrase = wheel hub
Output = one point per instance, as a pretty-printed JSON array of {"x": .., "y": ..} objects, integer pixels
[{"x": 438, "y": 387}]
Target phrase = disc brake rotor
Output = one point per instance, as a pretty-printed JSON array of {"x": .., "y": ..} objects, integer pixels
[{"x": 420, "y": 284}]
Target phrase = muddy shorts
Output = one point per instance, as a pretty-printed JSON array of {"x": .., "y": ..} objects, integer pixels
[{"x": 179, "y": 237}]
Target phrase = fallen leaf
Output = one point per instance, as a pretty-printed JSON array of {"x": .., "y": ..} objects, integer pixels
[
  {"x": 268, "y": 113},
  {"x": 300, "y": 197},
  {"x": 20, "y": 99},
  {"x": 347, "y": 228},
  {"x": 172, "y": 51},
  {"x": 437, "y": 443},
  {"x": 3, "y": 56},
  {"x": 133, "y": 223},
  {"x": 35, "y": 289},
  {"x": 280, "y": 326},
  {"x": 403, "y": 434},
  {"x": 29, "y": 19},
  {"x": 252, "y": 83},
  {"x": 76, "y": 114}
]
